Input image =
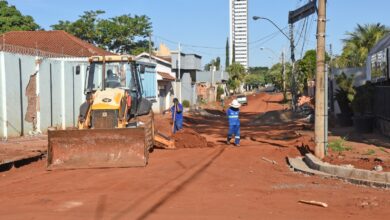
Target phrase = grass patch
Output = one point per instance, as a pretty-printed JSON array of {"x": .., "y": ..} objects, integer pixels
[
  {"x": 370, "y": 152},
  {"x": 339, "y": 145},
  {"x": 383, "y": 149}
]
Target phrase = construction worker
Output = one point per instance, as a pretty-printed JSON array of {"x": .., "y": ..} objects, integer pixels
[
  {"x": 112, "y": 80},
  {"x": 234, "y": 122},
  {"x": 222, "y": 98},
  {"x": 177, "y": 115}
]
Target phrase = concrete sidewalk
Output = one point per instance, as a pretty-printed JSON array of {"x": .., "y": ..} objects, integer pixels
[{"x": 21, "y": 150}]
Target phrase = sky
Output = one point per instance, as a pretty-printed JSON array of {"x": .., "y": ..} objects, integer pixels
[{"x": 202, "y": 26}]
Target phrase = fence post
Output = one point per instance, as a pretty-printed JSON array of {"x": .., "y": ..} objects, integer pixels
[
  {"x": 82, "y": 75},
  {"x": 63, "y": 121},
  {"x": 38, "y": 61},
  {"x": 3, "y": 96}
]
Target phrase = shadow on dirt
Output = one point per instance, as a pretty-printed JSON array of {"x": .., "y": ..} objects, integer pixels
[
  {"x": 304, "y": 149},
  {"x": 19, "y": 163}
]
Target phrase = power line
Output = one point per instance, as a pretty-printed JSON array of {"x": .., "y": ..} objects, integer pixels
[
  {"x": 190, "y": 45},
  {"x": 307, "y": 31},
  {"x": 274, "y": 34},
  {"x": 206, "y": 53},
  {"x": 300, "y": 34}
]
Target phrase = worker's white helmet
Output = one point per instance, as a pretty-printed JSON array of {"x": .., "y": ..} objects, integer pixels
[{"x": 235, "y": 104}]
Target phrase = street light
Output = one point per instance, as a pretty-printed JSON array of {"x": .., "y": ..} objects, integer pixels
[
  {"x": 292, "y": 47},
  {"x": 257, "y": 18}
]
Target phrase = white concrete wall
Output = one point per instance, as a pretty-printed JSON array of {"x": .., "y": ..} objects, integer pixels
[
  {"x": 12, "y": 81},
  {"x": 62, "y": 111},
  {"x": 3, "y": 103}
]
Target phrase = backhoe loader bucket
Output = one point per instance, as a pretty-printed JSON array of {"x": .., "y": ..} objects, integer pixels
[{"x": 97, "y": 148}]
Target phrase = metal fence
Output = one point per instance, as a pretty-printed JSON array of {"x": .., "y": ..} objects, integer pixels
[
  {"x": 382, "y": 102},
  {"x": 382, "y": 109}
]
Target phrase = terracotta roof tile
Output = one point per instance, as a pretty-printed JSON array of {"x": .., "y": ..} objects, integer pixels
[
  {"x": 166, "y": 76},
  {"x": 58, "y": 42}
]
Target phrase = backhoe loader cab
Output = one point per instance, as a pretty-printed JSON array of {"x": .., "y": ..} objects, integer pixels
[
  {"x": 115, "y": 127},
  {"x": 108, "y": 72}
]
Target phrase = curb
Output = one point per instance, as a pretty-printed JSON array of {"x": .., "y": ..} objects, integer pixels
[
  {"x": 314, "y": 166},
  {"x": 359, "y": 176}
]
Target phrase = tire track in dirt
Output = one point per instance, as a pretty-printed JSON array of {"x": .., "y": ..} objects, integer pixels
[{"x": 160, "y": 195}]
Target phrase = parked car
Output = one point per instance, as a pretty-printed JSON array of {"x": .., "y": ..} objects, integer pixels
[
  {"x": 242, "y": 99},
  {"x": 269, "y": 87}
]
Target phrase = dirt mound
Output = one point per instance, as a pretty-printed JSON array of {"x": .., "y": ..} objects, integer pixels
[
  {"x": 274, "y": 118},
  {"x": 163, "y": 124},
  {"x": 188, "y": 138}
]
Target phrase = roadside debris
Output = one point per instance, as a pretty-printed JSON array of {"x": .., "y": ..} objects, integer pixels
[
  {"x": 268, "y": 160},
  {"x": 316, "y": 203},
  {"x": 378, "y": 168}
]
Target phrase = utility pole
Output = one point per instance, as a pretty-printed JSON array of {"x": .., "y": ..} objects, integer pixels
[
  {"x": 179, "y": 59},
  {"x": 293, "y": 80},
  {"x": 294, "y": 16},
  {"x": 178, "y": 71},
  {"x": 320, "y": 111},
  {"x": 150, "y": 47},
  {"x": 284, "y": 76}
]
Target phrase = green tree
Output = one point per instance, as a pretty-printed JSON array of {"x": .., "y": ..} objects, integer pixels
[
  {"x": 262, "y": 70},
  {"x": 121, "y": 34},
  {"x": 84, "y": 28},
  {"x": 275, "y": 75},
  {"x": 124, "y": 34},
  {"x": 254, "y": 80},
  {"x": 215, "y": 62},
  {"x": 227, "y": 54},
  {"x": 12, "y": 20},
  {"x": 307, "y": 68},
  {"x": 236, "y": 75},
  {"x": 359, "y": 43},
  {"x": 307, "y": 65}
]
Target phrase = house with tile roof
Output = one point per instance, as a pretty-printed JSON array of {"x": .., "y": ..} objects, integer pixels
[
  {"x": 55, "y": 43},
  {"x": 39, "y": 84}
]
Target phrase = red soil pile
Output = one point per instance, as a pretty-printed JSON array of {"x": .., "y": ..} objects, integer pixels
[{"x": 188, "y": 138}]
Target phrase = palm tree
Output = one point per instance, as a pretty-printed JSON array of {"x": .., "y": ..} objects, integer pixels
[{"x": 359, "y": 43}]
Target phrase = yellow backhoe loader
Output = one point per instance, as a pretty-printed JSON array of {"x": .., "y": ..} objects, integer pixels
[{"x": 115, "y": 126}]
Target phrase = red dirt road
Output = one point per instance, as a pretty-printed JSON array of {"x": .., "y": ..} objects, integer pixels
[{"x": 219, "y": 182}]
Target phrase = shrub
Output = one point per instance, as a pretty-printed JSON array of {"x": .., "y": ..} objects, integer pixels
[
  {"x": 338, "y": 145},
  {"x": 345, "y": 94},
  {"x": 363, "y": 100},
  {"x": 186, "y": 103}
]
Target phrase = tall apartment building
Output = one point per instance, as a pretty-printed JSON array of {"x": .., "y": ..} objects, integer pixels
[{"x": 238, "y": 40}]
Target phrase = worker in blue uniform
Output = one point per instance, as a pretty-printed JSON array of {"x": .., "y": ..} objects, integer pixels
[
  {"x": 234, "y": 122},
  {"x": 177, "y": 115}
]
